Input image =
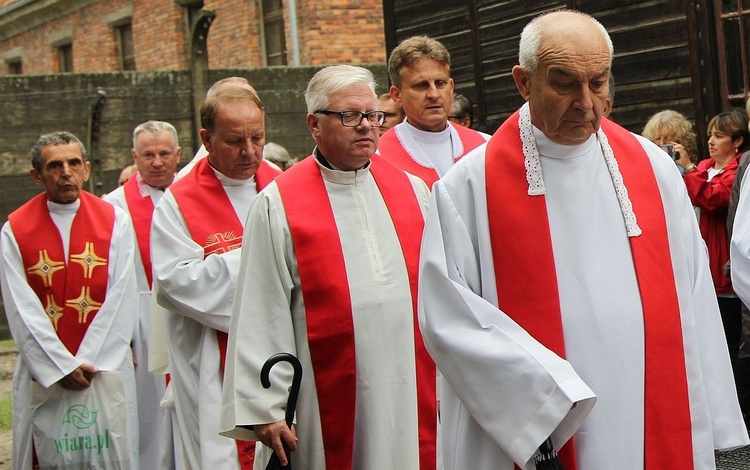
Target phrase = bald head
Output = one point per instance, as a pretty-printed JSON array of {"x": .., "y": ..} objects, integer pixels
[
  {"x": 559, "y": 28},
  {"x": 225, "y": 83},
  {"x": 565, "y": 60}
]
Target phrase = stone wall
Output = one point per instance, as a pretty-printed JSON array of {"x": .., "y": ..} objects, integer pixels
[{"x": 34, "y": 105}]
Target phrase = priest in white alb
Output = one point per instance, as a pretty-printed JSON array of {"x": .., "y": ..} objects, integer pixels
[
  {"x": 69, "y": 289},
  {"x": 195, "y": 240},
  {"x": 564, "y": 284},
  {"x": 328, "y": 273},
  {"x": 156, "y": 153}
]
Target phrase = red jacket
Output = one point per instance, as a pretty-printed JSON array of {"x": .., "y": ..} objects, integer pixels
[{"x": 712, "y": 198}]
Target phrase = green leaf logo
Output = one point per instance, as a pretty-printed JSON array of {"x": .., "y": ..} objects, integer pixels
[{"x": 80, "y": 416}]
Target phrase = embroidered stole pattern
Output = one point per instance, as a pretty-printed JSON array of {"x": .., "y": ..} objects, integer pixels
[
  {"x": 71, "y": 294},
  {"x": 328, "y": 307},
  {"x": 524, "y": 262}
]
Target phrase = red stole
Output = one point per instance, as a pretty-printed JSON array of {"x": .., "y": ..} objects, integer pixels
[
  {"x": 209, "y": 214},
  {"x": 141, "y": 209},
  {"x": 213, "y": 223},
  {"x": 328, "y": 306},
  {"x": 524, "y": 262},
  {"x": 391, "y": 149},
  {"x": 71, "y": 295}
]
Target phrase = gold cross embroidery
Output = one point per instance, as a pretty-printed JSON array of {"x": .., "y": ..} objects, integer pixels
[
  {"x": 88, "y": 259},
  {"x": 221, "y": 243},
  {"x": 54, "y": 311},
  {"x": 45, "y": 267},
  {"x": 84, "y": 304}
]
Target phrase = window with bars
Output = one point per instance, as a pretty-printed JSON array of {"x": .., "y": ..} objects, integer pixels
[
  {"x": 65, "y": 58},
  {"x": 125, "y": 46},
  {"x": 733, "y": 31},
  {"x": 273, "y": 32}
]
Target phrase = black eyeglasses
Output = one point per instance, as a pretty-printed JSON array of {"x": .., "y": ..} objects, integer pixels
[{"x": 354, "y": 118}]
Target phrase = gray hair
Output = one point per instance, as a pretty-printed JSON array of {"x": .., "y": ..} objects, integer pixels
[
  {"x": 462, "y": 106},
  {"x": 531, "y": 38},
  {"x": 332, "y": 79},
  {"x": 53, "y": 138},
  {"x": 155, "y": 128},
  {"x": 277, "y": 155}
]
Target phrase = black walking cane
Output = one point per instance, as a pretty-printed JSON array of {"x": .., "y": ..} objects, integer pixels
[
  {"x": 291, "y": 403},
  {"x": 547, "y": 458}
]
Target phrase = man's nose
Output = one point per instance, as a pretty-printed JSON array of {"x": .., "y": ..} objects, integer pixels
[
  {"x": 432, "y": 91},
  {"x": 247, "y": 147},
  {"x": 584, "y": 100}
]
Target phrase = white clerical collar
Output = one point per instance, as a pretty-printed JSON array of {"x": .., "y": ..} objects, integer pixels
[
  {"x": 411, "y": 139},
  {"x": 535, "y": 178},
  {"x": 335, "y": 175},
  {"x": 548, "y": 148},
  {"x": 227, "y": 181},
  {"x": 428, "y": 137},
  {"x": 62, "y": 209}
]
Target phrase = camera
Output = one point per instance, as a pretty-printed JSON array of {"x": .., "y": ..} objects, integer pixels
[{"x": 669, "y": 148}]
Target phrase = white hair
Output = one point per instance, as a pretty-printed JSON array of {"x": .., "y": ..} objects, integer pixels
[
  {"x": 155, "y": 128},
  {"x": 531, "y": 37},
  {"x": 331, "y": 79}
]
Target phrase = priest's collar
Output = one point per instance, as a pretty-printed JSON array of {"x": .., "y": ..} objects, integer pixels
[
  {"x": 531, "y": 151},
  {"x": 428, "y": 136},
  {"x": 227, "y": 181},
  {"x": 548, "y": 148},
  {"x": 324, "y": 161},
  {"x": 57, "y": 208},
  {"x": 333, "y": 174}
]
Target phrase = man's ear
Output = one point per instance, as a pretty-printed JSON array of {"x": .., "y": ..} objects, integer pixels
[
  {"x": 86, "y": 170},
  {"x": 205, "y": 138},
  {"x": 313, "y": 123},
  {"x": 396, "y": 96},
  {"x": 36, "y": 177},
  {"x": 522, "y": 81},
  {"x": 135, "y": 156}
]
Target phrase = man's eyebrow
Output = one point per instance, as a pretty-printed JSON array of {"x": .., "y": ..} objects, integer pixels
[{"x": 569, "y": 73}]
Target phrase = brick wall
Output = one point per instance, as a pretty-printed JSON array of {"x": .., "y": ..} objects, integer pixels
[
  {"x": 329, "y": 31},
  {"x": 234, "y": 36},
  {"x": 159, "y": 36},
  {"x": 341, "y": 31},
  {"x": 94, "y": 43}
]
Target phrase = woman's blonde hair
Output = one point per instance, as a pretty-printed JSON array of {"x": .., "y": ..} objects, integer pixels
[{"x": 672, "y": 123}]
